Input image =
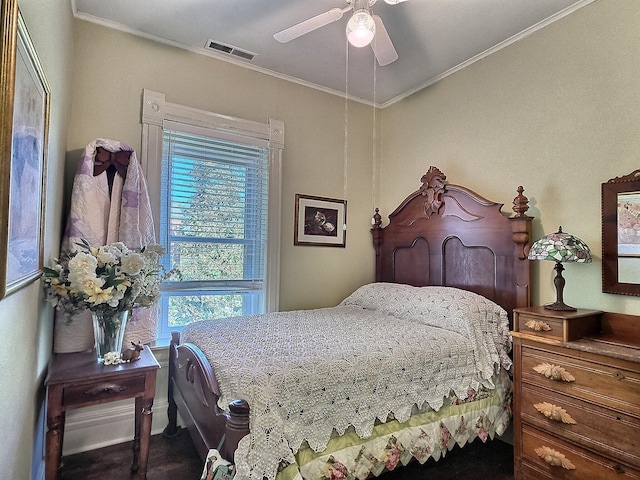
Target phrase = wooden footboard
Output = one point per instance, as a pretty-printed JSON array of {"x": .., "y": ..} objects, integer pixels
[{"x": 194, "y": 392}]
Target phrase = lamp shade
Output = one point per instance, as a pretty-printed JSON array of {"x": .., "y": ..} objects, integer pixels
[
  {"x": 560, "y": 247},
  {"x": 361, "y": 28}
]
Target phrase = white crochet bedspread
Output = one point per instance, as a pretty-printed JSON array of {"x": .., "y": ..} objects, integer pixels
[{"x": 306, "y": 373}]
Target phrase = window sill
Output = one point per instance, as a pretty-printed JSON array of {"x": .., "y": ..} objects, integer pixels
[{"x": 161, "y": 352}]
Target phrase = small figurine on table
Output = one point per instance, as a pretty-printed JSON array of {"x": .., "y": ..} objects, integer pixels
[{"x": 132, "y": 353}]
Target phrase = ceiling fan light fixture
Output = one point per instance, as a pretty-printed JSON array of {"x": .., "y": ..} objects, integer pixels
[{"x": 361, "y": 28}]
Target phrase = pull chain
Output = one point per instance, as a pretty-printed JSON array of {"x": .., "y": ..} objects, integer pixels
[
  {"x": 374, "y": 161},
  {"x": 346, "y": 123}
]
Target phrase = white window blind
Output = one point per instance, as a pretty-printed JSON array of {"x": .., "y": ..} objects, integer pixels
[
  {"x": 217, "y": 202},
  {"x": 214, "y": 211}
]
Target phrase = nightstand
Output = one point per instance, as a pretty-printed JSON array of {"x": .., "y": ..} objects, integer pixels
[
  {"x": 576, "y": 406},
  {"x": 77, "y": 380}
]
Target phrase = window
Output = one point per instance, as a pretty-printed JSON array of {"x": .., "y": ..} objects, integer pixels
[{"x": 218, "y": 193}]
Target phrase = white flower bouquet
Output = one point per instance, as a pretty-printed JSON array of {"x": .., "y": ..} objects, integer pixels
[{"x": 107, "y": 279}]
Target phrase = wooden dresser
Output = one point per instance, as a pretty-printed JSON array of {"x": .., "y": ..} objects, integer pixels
[{"x": 576, "y": 395}]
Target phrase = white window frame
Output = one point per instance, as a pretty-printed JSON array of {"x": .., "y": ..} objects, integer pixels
[{"x": 156, "y": 111}]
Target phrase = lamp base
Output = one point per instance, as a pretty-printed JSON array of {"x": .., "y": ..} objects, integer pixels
[
  {"x": 559, "y": 306},
  {"x": 558, "y": 281}
]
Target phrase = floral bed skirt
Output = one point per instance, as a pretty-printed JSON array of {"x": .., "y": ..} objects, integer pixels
[{"x": 482, "y": 414}]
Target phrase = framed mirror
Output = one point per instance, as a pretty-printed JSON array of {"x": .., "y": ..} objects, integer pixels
[{"x": 621, "y": 235}]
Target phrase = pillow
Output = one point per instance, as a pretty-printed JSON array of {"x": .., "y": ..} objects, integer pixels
[
  {"x": 443, "y": 307},
  {"x": 482, "y": 321}
]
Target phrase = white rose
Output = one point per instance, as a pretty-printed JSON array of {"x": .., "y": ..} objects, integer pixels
[
  {"x": 118, "y": 247},
  {"x": 83, "y": 262},
  {"x": 132, "y": 263},
  {"x": 105, "y": 257},
  {"x": 85, "y": 283}
]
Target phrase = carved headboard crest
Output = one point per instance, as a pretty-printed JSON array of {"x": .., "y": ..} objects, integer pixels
[{"x": 432, "y": 189}]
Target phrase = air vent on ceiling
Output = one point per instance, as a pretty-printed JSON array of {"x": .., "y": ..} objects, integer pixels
[{"x": 230, "y": 50}]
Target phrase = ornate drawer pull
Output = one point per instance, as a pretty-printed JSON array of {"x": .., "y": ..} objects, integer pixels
[
  {"x": 553, "y": 458},
  {"x": 555, "y": 413},
  {"x": 538, "y": 325},
  {"x": 554, "y": 372},
  {"x": 105, "y": 387}
]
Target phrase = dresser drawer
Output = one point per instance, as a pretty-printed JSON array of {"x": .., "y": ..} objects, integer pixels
[
  {"x": 551, "y": 328},
  {"x": 603, "y": 385},
  {"x": 544, "y": 455},
  {"x": 595, "y": 428},
  {"x": 99, "y": 392},
  {"x": 555, "y": 327}
]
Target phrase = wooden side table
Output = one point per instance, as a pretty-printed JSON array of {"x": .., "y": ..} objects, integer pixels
[{"x": 77, "y": 380}]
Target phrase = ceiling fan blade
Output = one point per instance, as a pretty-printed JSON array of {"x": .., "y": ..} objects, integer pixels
[
  {"x": 382, "y": 46},
  {"x": 310, "y": 25}
]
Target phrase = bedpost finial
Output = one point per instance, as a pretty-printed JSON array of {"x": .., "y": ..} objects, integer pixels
[
  {"x": 376, "y": 221},
  {"x": 520, "y": 203}
]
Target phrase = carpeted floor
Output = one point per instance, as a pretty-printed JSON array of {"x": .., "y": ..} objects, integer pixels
[{"x": 177, "y": 459}]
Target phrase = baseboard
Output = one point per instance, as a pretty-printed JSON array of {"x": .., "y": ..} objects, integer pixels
[{"x": 97, "y": 427}]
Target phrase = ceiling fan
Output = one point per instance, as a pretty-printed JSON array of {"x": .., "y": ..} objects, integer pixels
[{"x": 363, "y": 28}]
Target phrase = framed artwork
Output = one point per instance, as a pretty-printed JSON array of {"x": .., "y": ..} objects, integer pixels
[
  {"x": 24, "y": 110},
  {"x": 320, "y": 221},
  {"x": 628, "y": 210}
]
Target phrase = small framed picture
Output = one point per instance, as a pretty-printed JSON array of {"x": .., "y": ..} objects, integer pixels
[
  {"x": 320, "y": 221},
  {"x": 628, "y": 224},
  {"x": 24, "y": 109}
]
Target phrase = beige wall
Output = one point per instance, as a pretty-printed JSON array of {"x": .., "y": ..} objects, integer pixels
[
  {"x": 25, "y": 323},
  {"x": 558, "y": 112},
  {"x": 112, "y": 68}
]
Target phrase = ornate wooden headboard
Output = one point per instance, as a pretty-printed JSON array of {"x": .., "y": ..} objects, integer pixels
[{"x": 448, "y": 235}]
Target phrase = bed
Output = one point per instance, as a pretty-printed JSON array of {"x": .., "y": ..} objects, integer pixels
[{"x": 403, "y": 369}]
